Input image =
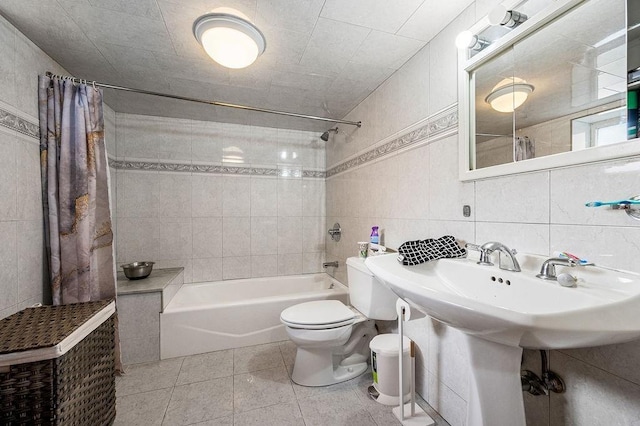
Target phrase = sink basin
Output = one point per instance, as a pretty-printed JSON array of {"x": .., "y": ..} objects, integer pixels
[
  {"x": 516, "y": 308},
  {"x": 502, "y": 312}
]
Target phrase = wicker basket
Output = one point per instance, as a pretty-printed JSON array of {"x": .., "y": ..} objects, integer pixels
[{"x": 57, "y": 365}]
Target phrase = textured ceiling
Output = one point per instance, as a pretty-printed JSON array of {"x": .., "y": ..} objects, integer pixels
[{"x": 323, "y": 57}]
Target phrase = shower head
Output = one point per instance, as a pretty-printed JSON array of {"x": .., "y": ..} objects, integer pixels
[{"x": 325, "y": 135}]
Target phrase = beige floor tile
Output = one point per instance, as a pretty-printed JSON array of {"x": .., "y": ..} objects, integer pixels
[
  {"x": 150, "y": 376},
  {"x": 340, "y": 408},
  {"x": 198, "y": 402},
  {"x": 222, "y": 421},
  {"x": 145, "y": 408},
  {"x": 254, "y": 358},
  {"x": 203, "y": 390},
  {"x": 288, "y": 350},
  {"x": 203, "y": 367},
  {"x": 275, "y": 415},
  {"x": 262, "y": 389}
]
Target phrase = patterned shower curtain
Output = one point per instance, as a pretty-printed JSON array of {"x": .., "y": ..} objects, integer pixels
[{"x": 75, "y": 189}]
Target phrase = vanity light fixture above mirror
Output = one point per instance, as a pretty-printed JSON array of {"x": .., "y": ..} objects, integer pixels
[
  {"x": 468, "y": 40},
  {"x": 500, "y": 15}
]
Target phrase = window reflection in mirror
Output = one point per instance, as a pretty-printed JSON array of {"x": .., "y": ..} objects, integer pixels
[{"x": 562, "y": 88}]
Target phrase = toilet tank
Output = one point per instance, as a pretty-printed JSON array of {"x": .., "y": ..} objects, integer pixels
[{"x": 367, "y": 294}]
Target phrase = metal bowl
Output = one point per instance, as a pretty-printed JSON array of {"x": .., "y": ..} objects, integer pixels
[{"x": 137, "y": 270}]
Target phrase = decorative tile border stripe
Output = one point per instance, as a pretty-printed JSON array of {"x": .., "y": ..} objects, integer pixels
[
  {"x": 215, "y": 169},
  {"x": 19, "y": 124},
  {"x": 437, "y": 127}
]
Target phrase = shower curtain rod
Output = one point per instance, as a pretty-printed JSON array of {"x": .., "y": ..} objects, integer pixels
[{"x": 202, "y": 101}]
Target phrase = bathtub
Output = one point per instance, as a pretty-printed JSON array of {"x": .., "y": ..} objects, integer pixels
[{"x": 211, "y": 316}]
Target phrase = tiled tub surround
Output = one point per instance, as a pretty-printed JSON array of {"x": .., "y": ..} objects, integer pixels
[
  {"x": 140, "y": 303},
  {"x": 224, "y": 201},
  {"x": 416, "y": 194}
]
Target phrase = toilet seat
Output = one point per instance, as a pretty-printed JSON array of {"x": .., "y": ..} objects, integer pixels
[{"x": 318, "y": 315}]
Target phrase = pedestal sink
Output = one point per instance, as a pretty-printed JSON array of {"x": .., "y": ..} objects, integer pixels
[{"x": 502, "y": 312}]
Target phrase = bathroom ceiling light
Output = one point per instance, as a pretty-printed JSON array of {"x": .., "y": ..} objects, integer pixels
[
  {"x": 500, "y": 15},
  {"x": 468, "y": 40},
  {"x": 509, "y": 94},
  {"x": 229, "y": 38}
]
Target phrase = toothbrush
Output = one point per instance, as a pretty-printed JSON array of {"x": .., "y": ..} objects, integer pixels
[
  {"x": 573, "y": 257},
  {"x": 610, "y": 203}
]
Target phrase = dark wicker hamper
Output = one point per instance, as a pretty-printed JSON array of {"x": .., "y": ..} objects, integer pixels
[{"x": 57, "y": 365}]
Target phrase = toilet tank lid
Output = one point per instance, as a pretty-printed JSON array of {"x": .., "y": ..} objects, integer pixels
[
  {"x": 317, "y": 312},
  {"x": 358, "y": 263}
]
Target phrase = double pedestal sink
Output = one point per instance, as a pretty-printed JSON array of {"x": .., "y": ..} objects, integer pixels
[{"x": 502, "y": 312}]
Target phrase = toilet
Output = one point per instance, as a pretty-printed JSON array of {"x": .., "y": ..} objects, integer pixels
[{"x": 332, "y": 338}]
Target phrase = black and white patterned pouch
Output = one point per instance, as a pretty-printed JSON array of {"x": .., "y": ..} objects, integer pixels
[{"x": 420, "y": 251}]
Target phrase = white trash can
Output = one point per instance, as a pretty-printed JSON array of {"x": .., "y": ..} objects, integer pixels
[{"x": 384, "y": 365}]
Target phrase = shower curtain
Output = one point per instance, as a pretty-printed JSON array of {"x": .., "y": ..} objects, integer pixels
[{"x": 77, "y": 215}]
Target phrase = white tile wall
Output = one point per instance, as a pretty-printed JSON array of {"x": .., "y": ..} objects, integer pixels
[
  {"x": 23, "y": 280},
  {"x": 417, "y": 194},
  {"x": 220, "y": 226},
  {"x": 593, "y": 396}
]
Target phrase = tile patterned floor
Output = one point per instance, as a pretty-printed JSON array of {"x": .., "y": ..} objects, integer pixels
[{"x": 246, "y": 386}]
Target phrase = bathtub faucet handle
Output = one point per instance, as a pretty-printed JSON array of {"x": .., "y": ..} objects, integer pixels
[{"x": 333, "y": 264}]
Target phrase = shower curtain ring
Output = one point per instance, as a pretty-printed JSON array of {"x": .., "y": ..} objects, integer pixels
[{"x": 94, "y": 85}]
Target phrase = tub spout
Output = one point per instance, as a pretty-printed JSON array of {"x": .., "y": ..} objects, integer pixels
[{"x": 333, "y": 264}]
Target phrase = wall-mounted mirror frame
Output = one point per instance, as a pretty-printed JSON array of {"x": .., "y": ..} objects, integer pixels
[{"x": 467, "y": 65}]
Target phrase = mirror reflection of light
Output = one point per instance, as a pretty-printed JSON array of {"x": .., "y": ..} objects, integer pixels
[
  {"x": 509, "y": 94},
  {"x": 290, "y": 172},
  {"x": 232, "y": 154},
  {"x": 284, "y": 155}
]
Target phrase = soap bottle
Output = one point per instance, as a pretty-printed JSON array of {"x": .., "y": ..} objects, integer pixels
[{"x": 375, "y": 238}]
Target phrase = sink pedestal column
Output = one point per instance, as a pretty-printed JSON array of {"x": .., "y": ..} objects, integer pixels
[{"x": 495, "y": 394}]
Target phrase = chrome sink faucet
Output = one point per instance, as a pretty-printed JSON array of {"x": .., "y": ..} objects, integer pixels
[
  {"x": 487, "y": 248},
  {"x": 548, "y": 269}
]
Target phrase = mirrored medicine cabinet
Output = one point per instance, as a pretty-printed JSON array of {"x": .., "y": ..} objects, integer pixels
[{"x": 559, "y": 87}]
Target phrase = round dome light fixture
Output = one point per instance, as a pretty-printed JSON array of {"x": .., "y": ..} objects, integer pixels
[
  {"x": 509, "y": 94},
  {"x": 230, "y": 39}
]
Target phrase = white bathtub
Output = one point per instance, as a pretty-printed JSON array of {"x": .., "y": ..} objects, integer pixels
[{"x": 211, "y": 316}]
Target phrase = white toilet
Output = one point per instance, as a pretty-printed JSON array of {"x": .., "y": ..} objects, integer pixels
[{"x": 333, "y": 339}]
